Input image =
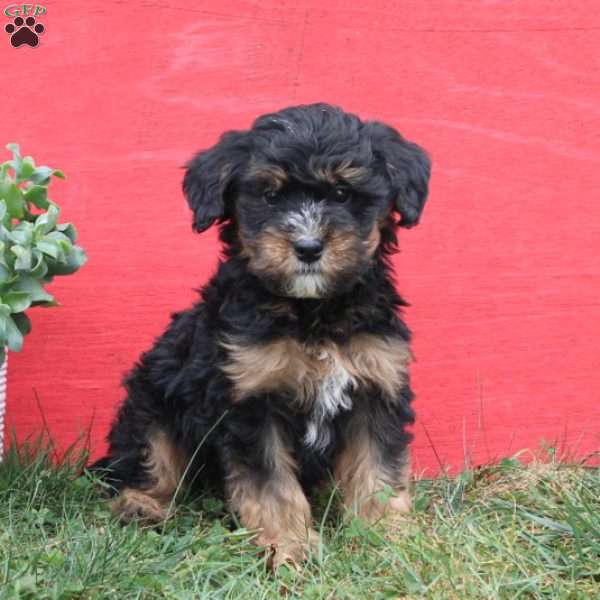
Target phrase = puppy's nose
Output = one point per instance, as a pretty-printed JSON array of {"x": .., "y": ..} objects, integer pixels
[{"x": 308, "y": 250}]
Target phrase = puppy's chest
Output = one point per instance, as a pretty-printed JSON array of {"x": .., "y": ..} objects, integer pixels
[
  {"x": 319, "y": 379},
  {"x": 329, "y": 393}
]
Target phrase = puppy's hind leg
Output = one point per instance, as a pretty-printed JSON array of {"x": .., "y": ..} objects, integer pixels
[{"x": 148, "y": 496}]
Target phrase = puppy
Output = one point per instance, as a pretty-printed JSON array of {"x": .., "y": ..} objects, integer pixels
[{"x": 293, "y": 365}]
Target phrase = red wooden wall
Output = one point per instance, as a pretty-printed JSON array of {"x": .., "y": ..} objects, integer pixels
[{"x": 503, "y": 273}]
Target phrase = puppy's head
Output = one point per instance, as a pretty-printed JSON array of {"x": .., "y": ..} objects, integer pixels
[{"x": 311, "y": 195}]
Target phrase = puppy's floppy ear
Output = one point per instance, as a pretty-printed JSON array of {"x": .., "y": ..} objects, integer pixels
[
  {"x": 209, "y": 176},
  {"x": 407, "y": 166}
]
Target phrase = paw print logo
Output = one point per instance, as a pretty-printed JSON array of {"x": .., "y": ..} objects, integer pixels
[{"x": 24, "y": 31}]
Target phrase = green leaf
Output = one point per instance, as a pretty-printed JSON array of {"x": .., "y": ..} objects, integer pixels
[
  {"x": 13, "y": 196},
  {"x": 23, "y": 322},
  {"x": 4, "y": 234},
  {"x": 37, "y": 195},
  {"x": 5, "y": 274},
  {"x": 27, "y": 168},
  {"x": 58, "y": 173},
  {"x": 6, "y": 328},
  {"x": 41, "y": 175},
  {"x": 14, "y": 337},
  {"x": 69, "y": 230},
  {"x": 23, "y": 262},
  {"x": 57, "y": 236},
  {"x": 15, "y": 149},
  {"x": 39, "y": 268},
  {"x": 3, "y": 209},
  {"x": 15, "y": 163},
  {"x": 72, "y": 262},
  {"x": 78, "y": 257},
  {"x": 17, "y": 301},
  {"x": 62, "y": 242},
  {"x": 22, "y": 234},
  {"x": 34, "y": 287},
  {"x": 47, "y": 221},
  {"x": 50, "y": 248}
]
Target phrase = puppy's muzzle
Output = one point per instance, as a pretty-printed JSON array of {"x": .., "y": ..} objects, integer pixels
[{"x": 308, "y": 250}]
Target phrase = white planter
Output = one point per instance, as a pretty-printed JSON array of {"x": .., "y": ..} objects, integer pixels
[{"x": 3, "y": 400}]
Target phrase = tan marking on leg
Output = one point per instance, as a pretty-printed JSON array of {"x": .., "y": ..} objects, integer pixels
[
  {"x": 276, "y": 507},
  {"x": 361, "y": 474},
  {"x": 165, "y": 464}
]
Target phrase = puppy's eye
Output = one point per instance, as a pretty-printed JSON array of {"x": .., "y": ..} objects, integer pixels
[
  {"x": 271, "y": 196},
  {"x": 340, "y": 194}
]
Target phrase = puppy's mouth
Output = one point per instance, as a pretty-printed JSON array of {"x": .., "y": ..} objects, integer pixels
[
  {"x": 310, "y": 269},
  {"x": 308, "y": 281}
]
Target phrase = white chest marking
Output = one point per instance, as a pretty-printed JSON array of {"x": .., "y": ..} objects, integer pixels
[{"x": 332, "y": 395}]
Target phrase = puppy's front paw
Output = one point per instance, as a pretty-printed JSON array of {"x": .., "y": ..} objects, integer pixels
[
  {"x": 135, "y": 505},
  {"x": 288, "y": 551},
  {"x": 399, "y": 504},
  {"x": 396, "y": 514},
  {"x": 374, "y": 508}
]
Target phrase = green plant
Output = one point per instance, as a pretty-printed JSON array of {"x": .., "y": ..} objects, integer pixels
[{"x": 34, "y": 247}]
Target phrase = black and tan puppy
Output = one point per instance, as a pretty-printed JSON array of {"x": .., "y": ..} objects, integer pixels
[{"x": 293, "y": 365}]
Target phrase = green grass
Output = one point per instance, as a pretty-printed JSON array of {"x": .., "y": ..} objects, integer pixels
[{"x": 505, "y": 531}]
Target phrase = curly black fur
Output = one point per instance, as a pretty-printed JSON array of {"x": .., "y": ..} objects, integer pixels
[{"x": 357, "y": 178}]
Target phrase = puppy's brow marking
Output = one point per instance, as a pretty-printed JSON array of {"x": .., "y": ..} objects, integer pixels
[
  {"x": 272, "y": 174},
  {"x": 343, "y": 172}
]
